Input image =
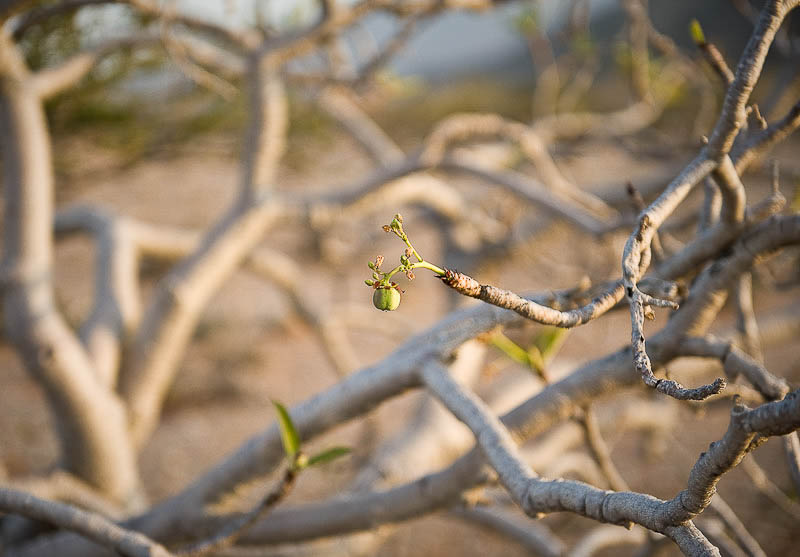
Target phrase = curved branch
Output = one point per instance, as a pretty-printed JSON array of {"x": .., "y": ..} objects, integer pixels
[
  {"x": 769, "y": 419},
  {"x": 90, "y": 525},
  {"x": 468, "y": 286},
  {"x": 536, "y": 495},
  {"x": 117, "y": 300}
]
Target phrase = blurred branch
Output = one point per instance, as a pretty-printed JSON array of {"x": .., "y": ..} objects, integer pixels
[
  {"x": 50, "y": 82},
  {"x": 91, "y": 421},
  {"x": 729, "y": 518},
  {"x": 532, "y": 536},
  {"x": 40, "y": 14},
  {"x": 117, "y": 306},
  {"x": 600, "y": 450},
  {"x": 237, "y": 528},
  {"x": 536, "y": 495},
  {"x": 606, "y": 536},
  {"x": 91, "y": 525},
  {"x": 381, "y": 148},
  {"x": 767, "y": 487}
]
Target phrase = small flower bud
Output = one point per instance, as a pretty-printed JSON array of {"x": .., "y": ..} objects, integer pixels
[
  {"x": 375, "y": 276},
  {"x": 409, "y": 253},
  {"x": 399, "y": 218},
  {"x": 386, "y": 228},
  {"x": 403, "y": 260},
  {"x": 369, "y": 282},
  {"x": 371, "y": 265}
]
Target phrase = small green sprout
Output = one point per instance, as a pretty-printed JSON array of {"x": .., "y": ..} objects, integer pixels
[
  {"x": 290, "y": 439},
  {"x": 544, "y": 348},
  {"x": 387, "y": 294},
  {"x": 696, "y": 31}
]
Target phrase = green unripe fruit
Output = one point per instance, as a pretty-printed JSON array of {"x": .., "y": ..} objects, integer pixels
[{"x": 386, "y": 299}]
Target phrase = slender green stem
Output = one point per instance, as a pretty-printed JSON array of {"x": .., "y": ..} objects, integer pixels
[
  {"x": 430, "y": 266},
  {"x": 390, "y": 274},
  {"x": 405, "y": 266},
  {"x": 403, "y": 236},
  {"x": 421, "y": 265}
]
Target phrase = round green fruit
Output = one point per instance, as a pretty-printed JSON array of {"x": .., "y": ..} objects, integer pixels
[{"x": 386, "y": 298}]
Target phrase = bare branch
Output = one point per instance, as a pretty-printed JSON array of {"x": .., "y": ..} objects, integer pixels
[
  {"x": 90, "y": 525},
  {"x": 600, "y": 450},
  {"x": 265, "y": 142},
  {"x": 745, "y": 538},
  {"x": 468, "y": 286},
  {"x": 746, "y": 323},
  {"x": 90, "y": 419},
  {"x": 735, "y": 363},
  {"x": 41, "y": 13},
  {"x": 66, "y": 488},
  {"x": 764, "y": 140},
  {"x": 532, "y": 191},
  {"x": 468, "y": 126},
  {"x": 714, "y": 58},
  {"x": 117, "y": 300},
  {"x": 791, "y": 447},
  {"x": 730, "y": 185},
  {"x": 636, "y": 253},
  {"x": 49, "y": 82},
  {"x": 772, "y": 418},
  {"x": 372, "y": 138},
  {"x": 535, "y": 495},
  {"x": 733, "y": 113},
  {"x": 237, "y": 528},
  {"x": 531, "y": 535},
  {"x": 169, "y": 319},
  {"x": 775, "y": 494},
  {"x": 607, "y": 536}
]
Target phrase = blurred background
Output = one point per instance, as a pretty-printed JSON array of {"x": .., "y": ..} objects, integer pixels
[{"x": 141, "y": 137}]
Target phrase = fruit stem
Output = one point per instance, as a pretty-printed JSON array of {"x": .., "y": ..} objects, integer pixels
[
  {"x": 421, "y": 265},
  {"x": 430, "y": 266}
]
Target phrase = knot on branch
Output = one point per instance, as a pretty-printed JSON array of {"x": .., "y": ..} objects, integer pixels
[{"x": 461, "y": 283}]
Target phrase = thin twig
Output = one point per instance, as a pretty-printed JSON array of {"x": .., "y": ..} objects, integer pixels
[
  {"x": 239, "y": 526},
  {"x": 600, "y": 450}
]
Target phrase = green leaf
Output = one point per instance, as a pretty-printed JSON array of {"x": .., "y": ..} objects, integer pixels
[
  {"x": 509, "y": 348},
  {"x": 327, "y": 456},
  {"x": 795, "y": 206},
  {"x": 549, "y": 341},
  {"x": 536, "y": 361},
  {"x": 696, "y": 31},
  {"x": 289, "y": 436}
]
